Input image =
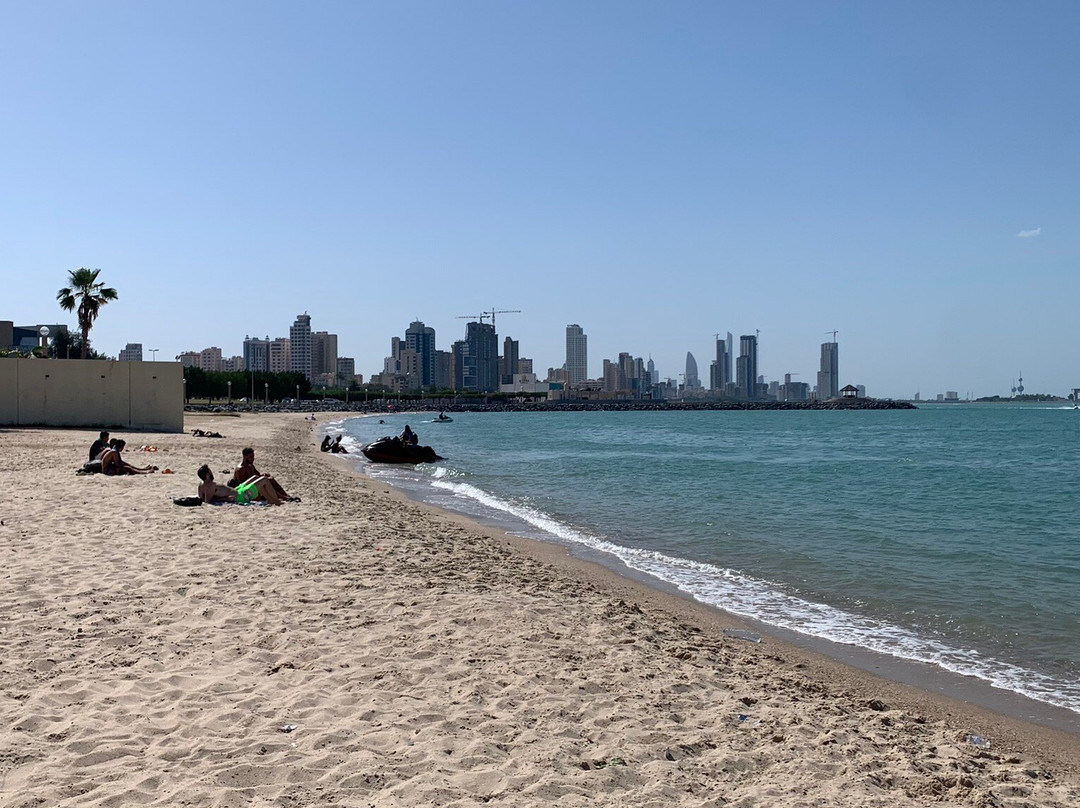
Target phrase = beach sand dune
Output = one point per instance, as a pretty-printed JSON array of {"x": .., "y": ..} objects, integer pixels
[{"x": 357, "y": 649}]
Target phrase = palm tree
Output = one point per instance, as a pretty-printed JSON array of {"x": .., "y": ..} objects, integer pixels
[{"x": 89, "y": 295}]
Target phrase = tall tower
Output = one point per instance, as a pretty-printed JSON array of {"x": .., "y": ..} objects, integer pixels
[
  {"x": 509, "y": 361},
  {"x": 692, "y": 381},
  {"x": 828, "y": 378},
  {"x": 723, "y": 364},
  {"x": 654, "y": 374},
  {"x": 300, "y": 345},
  {"x": 747, "y": 366},
  {"x": 577, "y": 354},
  {"x": 483, "y": 355},
  {"x": 421, "y": 338}
]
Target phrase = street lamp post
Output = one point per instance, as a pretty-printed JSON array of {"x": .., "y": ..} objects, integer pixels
[
  {"x": 154, "y": 352},
  {"x": 266, "y": 391},
  {"x": 185, "y": 391},
  {"x": 230, "y": 391},
  {"x": 298, "y": 393}
]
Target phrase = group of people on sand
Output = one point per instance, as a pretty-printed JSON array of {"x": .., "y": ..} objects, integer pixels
[
  {"x": 107, "y": 452},
  {"x": 247, "y": 483},
  {"x": 333, "y": 445}
]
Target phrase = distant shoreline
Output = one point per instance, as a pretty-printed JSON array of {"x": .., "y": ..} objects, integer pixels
[{"x": 448, "y": 405}]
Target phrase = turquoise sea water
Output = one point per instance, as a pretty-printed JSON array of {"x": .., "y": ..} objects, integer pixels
[{"x": 947, "y": 534}]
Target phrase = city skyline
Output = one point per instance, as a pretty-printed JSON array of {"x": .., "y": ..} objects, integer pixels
[{"x": 783, "y": 171}]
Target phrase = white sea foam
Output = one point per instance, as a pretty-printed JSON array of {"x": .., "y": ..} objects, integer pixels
[{"x": 750, "y": 597}]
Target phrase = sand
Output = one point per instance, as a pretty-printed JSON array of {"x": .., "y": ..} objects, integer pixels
[{"x": 357, "y": 649}]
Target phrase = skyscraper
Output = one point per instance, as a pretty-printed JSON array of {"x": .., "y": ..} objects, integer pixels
[
  {"x": 257, "y": 353},
  {"x": 482, "y": 360},
  {"x": 692, "y": 382},
  {"x": 300, "y": 345},
  {"x": 421, "y": 338},
  {"x": 747, "y": 366},
  {"x": 577, "y": 354},
  {"x": 723, "y": 365},
  {"x": 828, "y": 378},
  {"x": 509, "y": 364}
]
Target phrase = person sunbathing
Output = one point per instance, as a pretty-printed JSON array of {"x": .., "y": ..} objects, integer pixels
[
  {"x": 246, "y": 470},
  {"x": 113, "y": 464},
  {"x": 248, "y": 491}
]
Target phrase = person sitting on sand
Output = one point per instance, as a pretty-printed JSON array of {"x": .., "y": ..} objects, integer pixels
[
  {"x": 336, "y": 446},
  {"x": 248, "y": 491},
  {"x": 246, "y": 470},
  {"x": 112, "y": 463},
  {"x": 325, "y": 446},
  {"x": 100, "y": 445}
]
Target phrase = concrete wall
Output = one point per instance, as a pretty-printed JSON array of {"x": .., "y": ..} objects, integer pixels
[{"x": 92, "y": 393}]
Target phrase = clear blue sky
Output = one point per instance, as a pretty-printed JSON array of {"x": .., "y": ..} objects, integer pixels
[{"x": 656, "y": 172}]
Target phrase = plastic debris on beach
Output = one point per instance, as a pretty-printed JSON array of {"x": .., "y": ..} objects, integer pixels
[
  {"x": 977, "y": 740},
  {"x": 287, "y": 728},
  {"x": 748, "y": 720},
  {"x": 742, "y": 634}
]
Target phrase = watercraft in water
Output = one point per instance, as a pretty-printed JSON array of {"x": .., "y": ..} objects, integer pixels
[
  {"x": 395, "y": 450},
  {"x": 442, "y": 419}
]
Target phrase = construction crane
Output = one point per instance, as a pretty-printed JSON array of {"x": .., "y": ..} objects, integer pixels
[
  {"x": 834, "y": 333},
  {"x": 485, "y": 314}
]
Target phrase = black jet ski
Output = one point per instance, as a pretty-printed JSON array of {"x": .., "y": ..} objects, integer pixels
[{"x": 395, "y": 450}]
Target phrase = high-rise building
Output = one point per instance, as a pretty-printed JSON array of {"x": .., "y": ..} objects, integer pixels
[
  {"x": 722, "y": 374},
  {"x": 463, "y": 370},
  {"x": 232, "y": 364},
  {"x": 257, "y": 353},
  {"x": 300, "y": 345},
  {"x": 508, "y": 362},
  {"x": 577, "y": 354},
  {"x": 746, "y": 366},
  {"x": 828, "y": 378},
  {"x": 210, "y": 359},
  {"x": 346, "y": 370},
  {"x": 482, "y": 359},
  {"x": 421, "y": 338},
  {"x": 654, "y": 374},
  {"x": 323, "y": 357},
  {"x": 444, "y": 377},
  {"x": 132, "y": 352},
  {"x": 691, "y": 380},
  {"x": 280, "y": 360}
]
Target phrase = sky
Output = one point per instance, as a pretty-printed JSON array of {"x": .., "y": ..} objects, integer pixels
[{"x": 906, "y": 174}]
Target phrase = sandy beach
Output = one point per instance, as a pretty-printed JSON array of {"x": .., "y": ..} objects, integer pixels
[{"x": 358, "y": 649}]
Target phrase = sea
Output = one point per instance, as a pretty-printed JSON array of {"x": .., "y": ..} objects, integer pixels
[{"x": 946, "y": 535}]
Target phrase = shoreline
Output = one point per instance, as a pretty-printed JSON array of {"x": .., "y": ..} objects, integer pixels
[
  {"x": 923, "y": 676},
  {"x": 156, "y": 654}
]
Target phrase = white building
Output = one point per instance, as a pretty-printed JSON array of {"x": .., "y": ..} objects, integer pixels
[
  {"x": 132, "y": 352},
  {"x": 577, "y": 354}
]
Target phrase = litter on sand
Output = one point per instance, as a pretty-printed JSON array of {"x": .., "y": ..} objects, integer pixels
[
  {"x": 287, "y": 728},
  {"x": 977, "y": 740},
  {"x": 742, "y": 634}
]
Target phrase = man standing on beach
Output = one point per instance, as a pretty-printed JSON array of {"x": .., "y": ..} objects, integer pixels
[{"x": 246, "y": 470}]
